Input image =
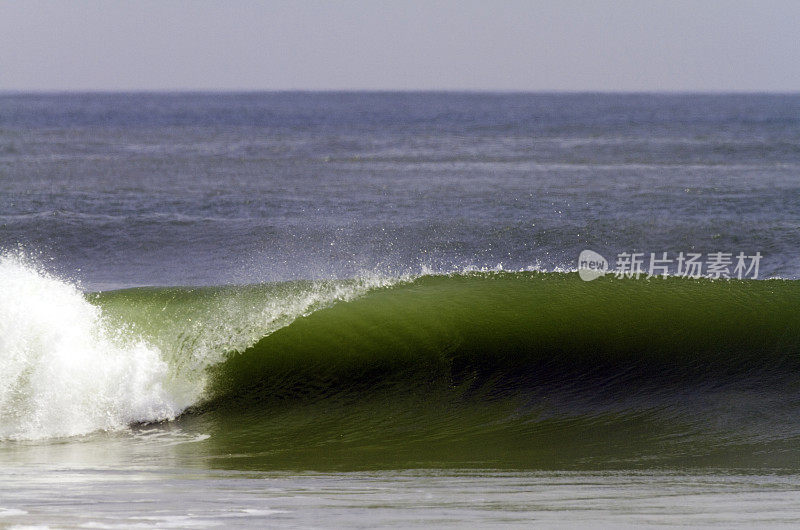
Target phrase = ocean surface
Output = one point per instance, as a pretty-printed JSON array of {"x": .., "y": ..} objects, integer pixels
[{"x": 367, "y": 310}]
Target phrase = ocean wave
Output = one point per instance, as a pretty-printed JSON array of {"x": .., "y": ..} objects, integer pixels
[{"x": 509, "y": 359}]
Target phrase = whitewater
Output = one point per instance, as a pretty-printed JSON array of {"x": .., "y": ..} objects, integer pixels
[{"x": 66, "y": 369}]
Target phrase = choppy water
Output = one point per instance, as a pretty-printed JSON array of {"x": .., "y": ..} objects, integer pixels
[
  {"x": 352, "y": 309},
  {"x": 126, "y": 190}
]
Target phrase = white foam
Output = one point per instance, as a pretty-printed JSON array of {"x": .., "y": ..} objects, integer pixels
[{"x": 62, "y": 373}]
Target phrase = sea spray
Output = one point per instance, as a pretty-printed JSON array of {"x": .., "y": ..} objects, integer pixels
[{"x": 198, "y": 327}]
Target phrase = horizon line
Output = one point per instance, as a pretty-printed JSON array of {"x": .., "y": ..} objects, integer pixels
[{"x": 209, "y": 91}]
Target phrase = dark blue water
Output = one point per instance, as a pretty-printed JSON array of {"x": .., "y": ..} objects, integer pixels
[{"x": 176, "y": 189}]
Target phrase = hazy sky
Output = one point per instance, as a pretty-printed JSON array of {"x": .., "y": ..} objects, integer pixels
[{"x": 372, "y": 44}]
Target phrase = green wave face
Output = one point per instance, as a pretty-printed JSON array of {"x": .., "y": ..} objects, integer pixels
[{"x": 504, "y": 370}]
